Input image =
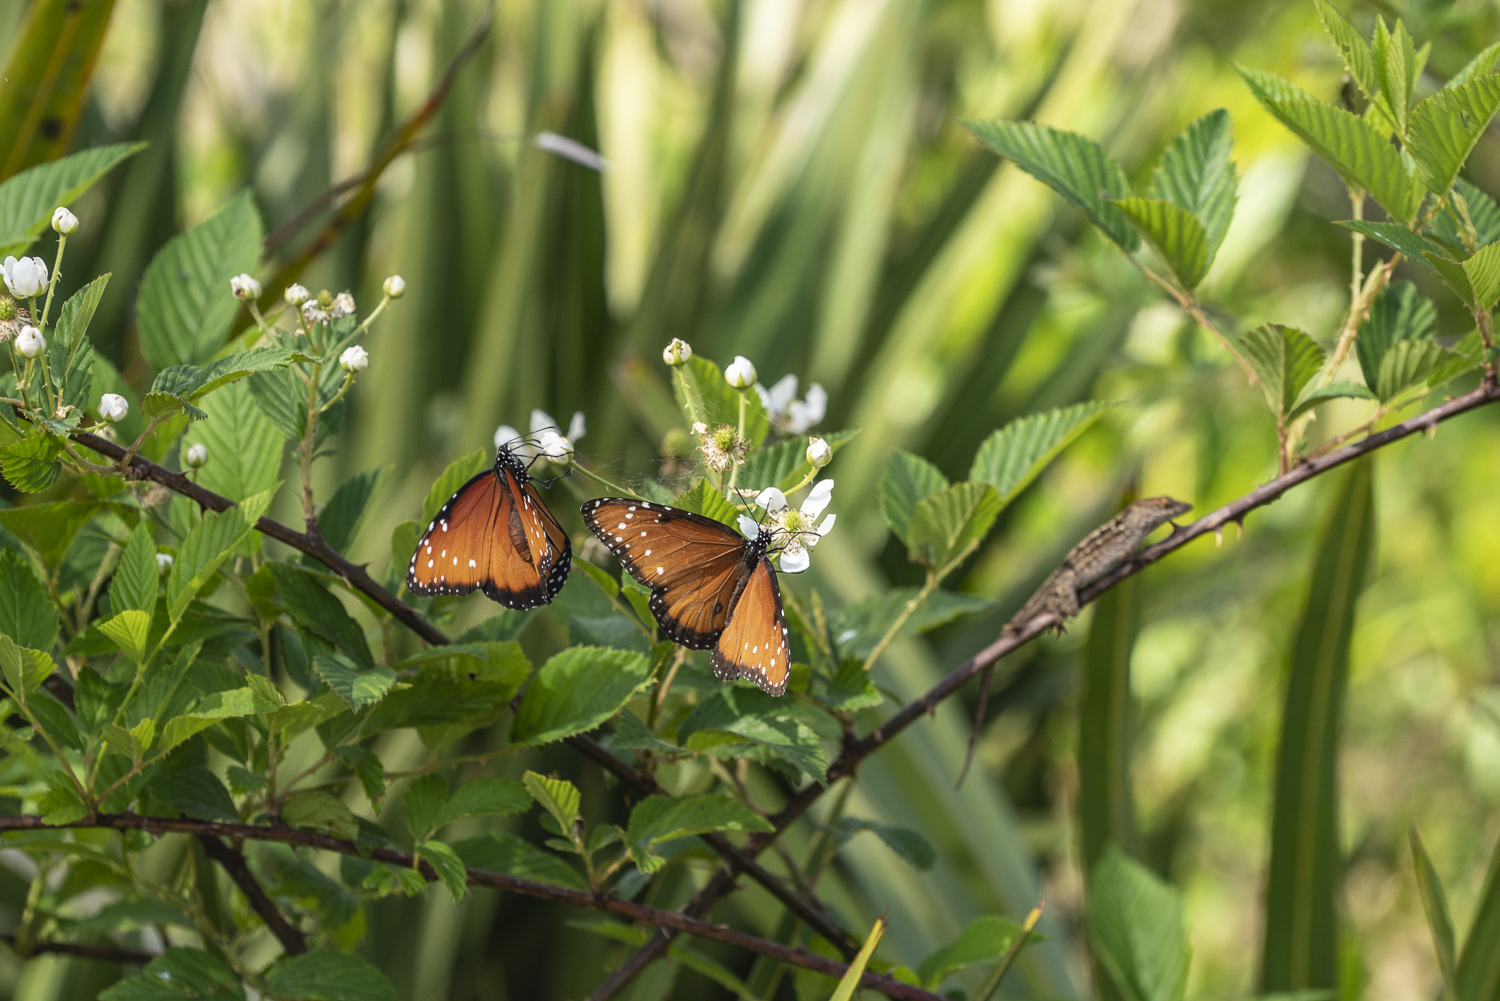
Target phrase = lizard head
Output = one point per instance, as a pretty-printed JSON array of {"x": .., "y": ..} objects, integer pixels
[{"x": 1151, "y": 512}]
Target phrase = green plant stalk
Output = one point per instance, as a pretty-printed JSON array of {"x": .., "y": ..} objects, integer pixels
[
  {"x": 309, "y": 515},
  {"x": 1027, "y": 927},
  {"x": 934, "y": 579},
  {"x": 25, "y": 930},
  {"x": 739, "y": 433}
]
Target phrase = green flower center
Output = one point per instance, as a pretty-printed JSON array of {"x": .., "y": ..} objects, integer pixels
[{"x": 8, "y": 309}]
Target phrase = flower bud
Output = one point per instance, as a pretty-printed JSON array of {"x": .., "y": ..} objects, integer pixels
[
  {"x": 677, "y": 352},
  {"x": 112, "y": 407},
  {"x": 196, "y": 456},
  {"x": 557, "y": 449},
  {"x": 26, "y": 277},
  {"x": 296, "y": 295},
  {"x": 30, "y": 342},
  {"x": 343, "y": 305},
  {"x": 244, "y": 287},
  {"x": 64, "y": 221},
  {"x": 354, "y": 359},
  {"x": 818, "y": 453},
  {"x": 741, "y": 373},
  {"x": 164, "y": 562},
  {"x": 395, "y": 286}
]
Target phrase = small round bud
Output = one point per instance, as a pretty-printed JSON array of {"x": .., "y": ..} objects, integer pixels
[
  {"x": 244, "y": 287},
  {"x": 818, "y": 453},
  {"x": 741, "y": 373},
  {"x": 113, "y": 407},
  {"x": 677, "y": 352},
  {"x": 296, "y": 295},
  {"x": 354, "y": 359},
  {"x": 557, "y": 449},
  {"x": 196, "y": 456},
  {"x": 30, "y": 342},
  {"x": 395, "y": 286},
  {"x": 64, "y": 221},
  {"x": 164, "y": 562}
]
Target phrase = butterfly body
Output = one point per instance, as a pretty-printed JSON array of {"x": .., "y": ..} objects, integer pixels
[
  {"x": 711, "y": 588},
  {"x": 494, "y": 535}
]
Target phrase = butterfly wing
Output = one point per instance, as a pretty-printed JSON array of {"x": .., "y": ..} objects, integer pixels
[
  {"x": 692, "y": 564},
  {"x": 754, "y": 642},
  {"x": 486, "y": 539}
]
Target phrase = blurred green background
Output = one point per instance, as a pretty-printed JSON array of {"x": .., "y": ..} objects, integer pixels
[{"x": 788, "y": 179}]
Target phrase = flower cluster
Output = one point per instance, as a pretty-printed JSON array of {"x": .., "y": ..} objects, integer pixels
[
  {"x": 793, "y": 531},
  {"x": 546, "y": 438},
  {"x": 786, "y": 411},
  {"x": 326, "y": 307}
]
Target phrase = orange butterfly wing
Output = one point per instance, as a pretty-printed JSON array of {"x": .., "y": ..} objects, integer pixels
[
  {"x": 692, "y": 564},
  {"x": 754, "y": 643}
]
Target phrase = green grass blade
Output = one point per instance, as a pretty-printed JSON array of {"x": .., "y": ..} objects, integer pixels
[
  {"x": 1106, "y": 811},
  {"x": 1478, "y": 977}
]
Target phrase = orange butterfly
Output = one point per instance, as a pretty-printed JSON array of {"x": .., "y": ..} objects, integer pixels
[
  {"x": 711, "y": 588},
  {"x": 494, "y": 535}
]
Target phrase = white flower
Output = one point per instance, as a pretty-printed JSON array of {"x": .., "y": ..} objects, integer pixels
[
  {"x": 64, "y": 221},
  {"x": 808, "y": 412},
  {"x": 196, "y": 456},
  {"x": 244, "y": 287},
  {"x": 30, "y": 342},
  {"x": 542, "y": 421},
  {"x": 819, "y": 454},
  {"x": 778, "y": 397},
  {"x": 26, "y": 277},
  {"x": 395, "y": 286},
  {"x": 163, "y": 562},
  {"x": 113, "y": 407},
  {"x": 555, "y": 447},
  {"x": 741, "y": 373},
  {"x": 296, "y": 295},
  {"x": 677, "y": 352},
  {"x": 354, "y": 359},
  {"x": 505, "y": 434},
  {"x": 794, "y": 532},
  {"x": 343, "y": 305},
  {"x": 749, "y": 527}
]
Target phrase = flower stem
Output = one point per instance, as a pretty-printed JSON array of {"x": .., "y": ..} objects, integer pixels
[
  {"x": 894, "y": 629},
  {"x": 734, "y": 472},
  {"x": 62, "y": 241}
]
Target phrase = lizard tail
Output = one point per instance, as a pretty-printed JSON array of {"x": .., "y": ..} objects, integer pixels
[{"x": 984, "y": 697}]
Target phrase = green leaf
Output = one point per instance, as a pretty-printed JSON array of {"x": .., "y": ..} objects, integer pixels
[
  {"x": 1174, "y": 233},
  {"x": 321, "y": 811},
  {"x": 69, "y": 352},
  {"x": 129, "y": 631},
  {"x": 458, "y": 472},
  {"x": 422, "y": 802},
  {"x": 27, "y": 615},
  {"x": 1482, "y": 212},
  {"x": 944, "y": 525},
  {"x": 207, "y": 546},
  {"x": 1074, "y": 166},
  {"x": 244, "y": 447},
  {"x": 659, "y": 819},
  {"x": 506, "y": 853},
  {"x": 367, "y": 768},
  {"x": 786, "y": 729},
  {"x": 325, "y": 975},
  {"x": 908, "y": 479},
  {"x": 1397, "y": 64},
  {"x": 1462, "y": 357},
  {"x": 1406, "y": 366},
  {"x": 1398, "y": 237},
  {"x": 1478, "y": 66},
  {"x": 185, "y": 307},
  {"x": 1106, "y": 723},
  {"x": 1435, "y": 905},
  {"x": 195, "y": 792},
  {"x": 984, "y": 941},
  {"x": 28, "y": 199},
  {"x": 1196, "y": 175},
  {"x": 357, "y": 687},
  {"x": 61, "y": 803},
  {"x": 178, "y": 974},
  {"x": 340, "y": 517},
  {"x": 1397, "y": 313},
  {"x": 1446, "y": 126},
  {"x": 303, "y": 597},
  {"x": 849, "y": 982},
  {"x": 1135, "y": 928},
  {"x": 633, "y": 735},
  {"x": 852, "y": 687},
  {"x": 577, "y": 690},
  {"x": 484, "y": 798},
  {"x": 137, "y": 576},
  {"x": 1478, "y": 976},
  {"x": 1285, "y": 359},
  {"x": 905, "y": 842},
  {"x": 1358, "y": 58},
  {"x": 1359, "y": 151},
  {"x": 470, "y": 683},
  {"x": 1476, "y": 280},
  {"x": 24, "y": 669},
  {"x": 1301, "y": 930},
  {"x": 48, "y": 528},
  {"x": 448, "y": 866},
  {"x": 785, "y": 465},
  {"x": 706, "y": 500},
  {"x": 31, "y": 464},
  {"x": 1334, "y": 390},
  {"x": 220, "y": 705},
  {"x": 858, "y": 627},
  {"x": 701, "y": 389},
  {"x": 559, "y": 797},
  {"x": 1012, "y": 457}
]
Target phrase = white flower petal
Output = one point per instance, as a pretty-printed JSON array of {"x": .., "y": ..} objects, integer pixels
[
  {"x": 540, "y": 420},
  {"x": 771, "y": 499},
  {"x": 783, "y": 393},
  {"x": 817, "y": 403},
  {"x": 578, "y": 426},
  {"x": 749, "y": 527},
  {"x": 817, "y": 499},
  {"x": 505, "y": 433},
  {"x": 794, "y": 559},
  {"x": 827, "y": 525}
]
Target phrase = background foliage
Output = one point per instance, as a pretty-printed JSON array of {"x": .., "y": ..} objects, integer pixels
[{"x": 789, "y": 180}]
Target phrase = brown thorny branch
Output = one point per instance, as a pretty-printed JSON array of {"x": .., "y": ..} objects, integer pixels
[{"x": 855, "y": 750}]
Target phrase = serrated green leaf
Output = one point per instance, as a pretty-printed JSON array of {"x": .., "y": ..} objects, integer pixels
[
  {"x": 457, "y": 473},
  {"x": 1445, "y": 127},
  {"x": 908, "y": 479},
  {"x": 185, "y": 306},
  {"x": 120, "y": 740},
  {"x": 1398, "y": 237},
  {"x": 128, "y": 630},
  {"x": 1285, "y": 359},
  {"x": 1174, "y": 233},
  {"x": 448, "y": 866},
  {"x": 787, "y": 729},
  {"x": 1481, "y": 211},
  {"x": 1358, "y": 58},
  {"x": 1478, "y": 66},
  {"x": 244, "y": 447},
  {"x": 195, "y": 792},
  {"x": 471, "y": 684},
  {"x": 577, "y": 690},
  {"x": 1397, "y": 313},
  {"x": 179, "y": 974},
  {"x": 318, "y": 612},
  {"x": 633, "y": 735},
  {"x": 48, "y": 528},
  {"x": 137, "y": 576},
  {"x": 1012, "y": 457},
  {"x": 910, "y": 845},
  {"x": 506, "y": 853},
  {"x": 340, "y": 517},
  {"x": 1407, "y": 365},
  {"x": 31, "y": 464},
  {"x": 319, "y": 810},
  {"x": 28, "y": 199},
  {"x": 1333, "y": 391},
  {"x": 984, "y": 941},
  {"x": 205, "y": 548},
  {"x": 61, "y": 804},
  {"x": 1196, "y": 175},
  {"x": 69, "y": 352},
  {"x": 704, "y": 498},
  {"x": 559, "y": 797},
  {"x": 422, "y": 802},
  {"x": 24, "y": 669},
  {"x": 1463, "y": 357},
  {"x": 1398, "y": 64},
  {"x": 27, "y": 615},
  {"x": 326, "y": 975},
  {"x": 945, "y": 524},
  {"x": 1135, "y": 928},
  {"x": 658, "y": 819},
  {"x": 356, "y": 686},
  {"x": 484, "y": 798},
  {"x": 1074, "y": 166}
]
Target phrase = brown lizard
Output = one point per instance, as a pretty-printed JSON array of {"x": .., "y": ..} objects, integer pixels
[{"x": 1101, "y": 551}]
